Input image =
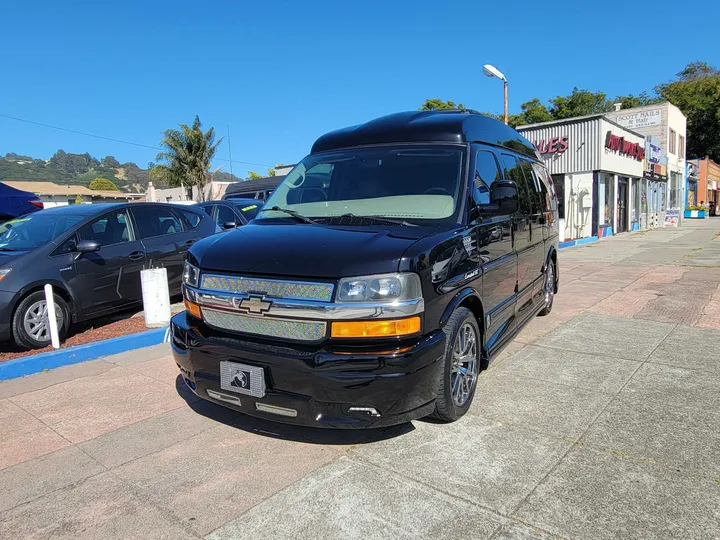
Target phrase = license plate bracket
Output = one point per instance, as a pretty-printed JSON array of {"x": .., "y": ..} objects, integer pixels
[{"x": 242, "y": 379}]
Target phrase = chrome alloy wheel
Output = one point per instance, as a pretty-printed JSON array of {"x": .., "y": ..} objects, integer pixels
[
  {"x": 36, "y": 323},
  {"x": 549, "y": 283},
  {"x": 464, "y": 364}
]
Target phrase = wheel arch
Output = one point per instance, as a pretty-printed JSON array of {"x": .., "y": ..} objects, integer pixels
[
  {"x": 468, "y": 298},
  {"x": 58, "y": 288}
]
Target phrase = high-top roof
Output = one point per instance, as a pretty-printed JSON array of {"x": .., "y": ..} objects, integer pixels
[{"x": 447, "y": 126}]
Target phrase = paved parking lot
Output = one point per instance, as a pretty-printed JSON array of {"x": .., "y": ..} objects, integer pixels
[{"x": 601, "y": 420}]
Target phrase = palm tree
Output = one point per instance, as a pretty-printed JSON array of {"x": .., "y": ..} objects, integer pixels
[{"x": 185, "y": 160}]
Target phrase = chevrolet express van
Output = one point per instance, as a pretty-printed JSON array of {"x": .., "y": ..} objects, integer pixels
[{"x": 383, "y": 274}]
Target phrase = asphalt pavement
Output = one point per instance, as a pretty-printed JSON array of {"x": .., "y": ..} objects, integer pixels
[{"x": 599, "y": 421}]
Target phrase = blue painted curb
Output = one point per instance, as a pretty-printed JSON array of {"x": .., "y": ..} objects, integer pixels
[
  {"x": 29, "y": 365},
  {"x": 581, "y": 241}
]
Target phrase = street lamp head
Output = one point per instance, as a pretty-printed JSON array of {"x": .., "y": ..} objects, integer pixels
[{"x": 492, "y": 71}]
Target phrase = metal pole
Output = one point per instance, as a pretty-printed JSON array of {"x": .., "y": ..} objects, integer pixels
[
  {"x": 52, "y": 321},
  {"x": 506, "y": 103}
]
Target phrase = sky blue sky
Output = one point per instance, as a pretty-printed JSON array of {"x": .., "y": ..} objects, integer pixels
[{"x": 282, "y": 73}]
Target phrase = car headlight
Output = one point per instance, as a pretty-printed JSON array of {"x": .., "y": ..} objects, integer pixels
[
  {"x": 191, "y": 275},
  {"x": 380, "y": 288}
]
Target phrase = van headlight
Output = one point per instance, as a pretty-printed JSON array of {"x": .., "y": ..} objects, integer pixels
[
  {"x": 191, "y": 275},
  {"x": 380, "y": 288}
]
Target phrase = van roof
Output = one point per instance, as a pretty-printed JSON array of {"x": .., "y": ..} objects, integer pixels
[{"x": 445, "y": 126}]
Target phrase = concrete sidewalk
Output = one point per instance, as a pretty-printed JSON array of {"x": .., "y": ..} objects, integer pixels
[{"x": 601, "y": 420}]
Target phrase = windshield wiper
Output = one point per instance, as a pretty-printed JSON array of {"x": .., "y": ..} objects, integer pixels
[
  {"x": 8, "y": 249},
  {"x": 380, "y": 219},
  {"x": 289, "y": 212}
]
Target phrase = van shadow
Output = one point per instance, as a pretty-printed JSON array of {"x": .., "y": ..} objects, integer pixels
[{"x": 287, "y": 432}]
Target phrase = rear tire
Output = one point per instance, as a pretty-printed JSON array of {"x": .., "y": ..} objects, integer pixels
[
  {"x": 548, "y": 289},
  {"x": 461, "y": 366},
  {"x": 30, "y": 324}
]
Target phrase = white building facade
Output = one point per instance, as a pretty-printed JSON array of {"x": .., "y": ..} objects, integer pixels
[
  {"x": 666, "y": 124},
  {"x": 597, "y": 169}
]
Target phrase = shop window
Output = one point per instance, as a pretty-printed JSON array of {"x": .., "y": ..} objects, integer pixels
[
  {"x": 559, "y": 186},
  {"x": 672, "y": 143}
]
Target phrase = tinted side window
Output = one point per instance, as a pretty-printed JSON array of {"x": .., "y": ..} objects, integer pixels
[
  {"x": 486, "y": 172},
  {"x": 513, "y": 171},
  {"x": 192, "y": 218},
  {"x": 224, "y": 215},
  {"x": 533, "y": 188},
  {"x": 542, "y": 178},
  {"x": 154, "y": 221},
  {"x": 107, "y": 230},
  {"x": 209, "y": 209}
]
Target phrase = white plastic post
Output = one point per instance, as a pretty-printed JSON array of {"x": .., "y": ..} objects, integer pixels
[
  {"x": 52, "y": 320},
  {"x": 156, "y": 297}
]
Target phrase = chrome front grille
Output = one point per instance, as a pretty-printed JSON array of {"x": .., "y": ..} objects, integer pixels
[
  {"x": 295, "y": 330},
  {"x": 291, "y": 290}
]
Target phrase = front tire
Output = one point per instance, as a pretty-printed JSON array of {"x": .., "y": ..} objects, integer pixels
[
  {"x": 461, "y": 366},
  {"x": 30, "y": 326}
]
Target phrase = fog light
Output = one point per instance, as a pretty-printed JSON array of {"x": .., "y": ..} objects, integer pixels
[
  {"x": 193, "y": 309},
  {"x": 379, "y": 328},
  {"x": 372, "y": 411}
]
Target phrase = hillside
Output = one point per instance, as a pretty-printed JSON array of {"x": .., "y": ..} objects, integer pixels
[{"x": 65, "y": 168}]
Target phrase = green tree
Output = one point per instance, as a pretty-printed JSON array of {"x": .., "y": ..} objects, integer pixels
[
  {"x": 109, "y": 162},
  {"x": 103, "y": 184},
  {"x": 271, "y": 172},
  {"x": 78, "y": 200},
  {"x": 532, "y": 112},
  {"x": 640, "y": 100},
  {"x": 579, "y": 103},
  {"x": 696, "y": 92},
  {"x": 187, "y": 157},
  {"x": 438, "y": 104},
  {"x": 253, "y": 175}
]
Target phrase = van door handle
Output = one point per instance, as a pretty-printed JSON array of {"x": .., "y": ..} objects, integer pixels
[
  {"x": 189, "y": 243},
  {"x": 136, "y": 255}
]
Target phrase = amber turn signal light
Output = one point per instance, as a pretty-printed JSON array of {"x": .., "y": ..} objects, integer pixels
[
  {"x": 193, "y": 309},
  {"x": 380, "y": 328}
]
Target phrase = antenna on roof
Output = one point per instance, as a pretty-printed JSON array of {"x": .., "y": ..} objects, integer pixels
[{"x": 230, "y": 152}]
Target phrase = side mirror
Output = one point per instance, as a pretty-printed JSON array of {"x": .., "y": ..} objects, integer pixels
[
  {"x": 86, "y": 246},
  {"x": 504, "y": 194},
  {"x": 229, "y": 225}
]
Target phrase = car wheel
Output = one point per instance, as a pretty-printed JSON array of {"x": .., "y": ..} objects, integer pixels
[
  {"x": 548, "y": 289},
  {"x": 461, "y": 366},
  {"x": 30, "y": 323}
]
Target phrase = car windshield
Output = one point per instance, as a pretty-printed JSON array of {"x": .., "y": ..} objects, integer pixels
[
  {"x": 34, "y": 230},
  {"x": 403, "y": 182},
  {"x": 248, "y": 209}
]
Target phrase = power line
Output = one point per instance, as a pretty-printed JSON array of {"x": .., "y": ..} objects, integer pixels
[{"x": 113, "y": 139}]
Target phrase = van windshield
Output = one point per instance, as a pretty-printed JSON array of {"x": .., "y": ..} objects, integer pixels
[{"x": 404, "y": 182}]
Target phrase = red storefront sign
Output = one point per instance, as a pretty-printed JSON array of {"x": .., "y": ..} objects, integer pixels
[
  {"x": 556, "y": 145},
  {"x": 620, "y": 145}
]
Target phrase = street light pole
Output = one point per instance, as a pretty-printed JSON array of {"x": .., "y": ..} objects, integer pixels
[
  {"x": 506, "y": 103},
  {"x": 492, "y": 71}
]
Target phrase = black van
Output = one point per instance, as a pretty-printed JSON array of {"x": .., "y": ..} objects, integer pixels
[{"x": 385, "y": 272}]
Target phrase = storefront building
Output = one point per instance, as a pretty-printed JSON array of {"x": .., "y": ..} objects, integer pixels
[
  {"x": 668, "y": 126},
  {"x": 703, "y": 183},
  {"x": 597, "y": 167}
]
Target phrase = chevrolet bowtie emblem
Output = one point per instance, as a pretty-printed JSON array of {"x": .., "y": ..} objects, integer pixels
[{"x": 254, "y": 304}]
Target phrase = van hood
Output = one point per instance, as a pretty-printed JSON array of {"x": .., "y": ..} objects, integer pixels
[{"x": 303, "y": 250}]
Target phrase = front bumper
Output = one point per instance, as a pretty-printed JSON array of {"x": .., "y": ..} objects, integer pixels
[
  {"x": 7, "y": 300},
  {"x": 321, "y": 386}
]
